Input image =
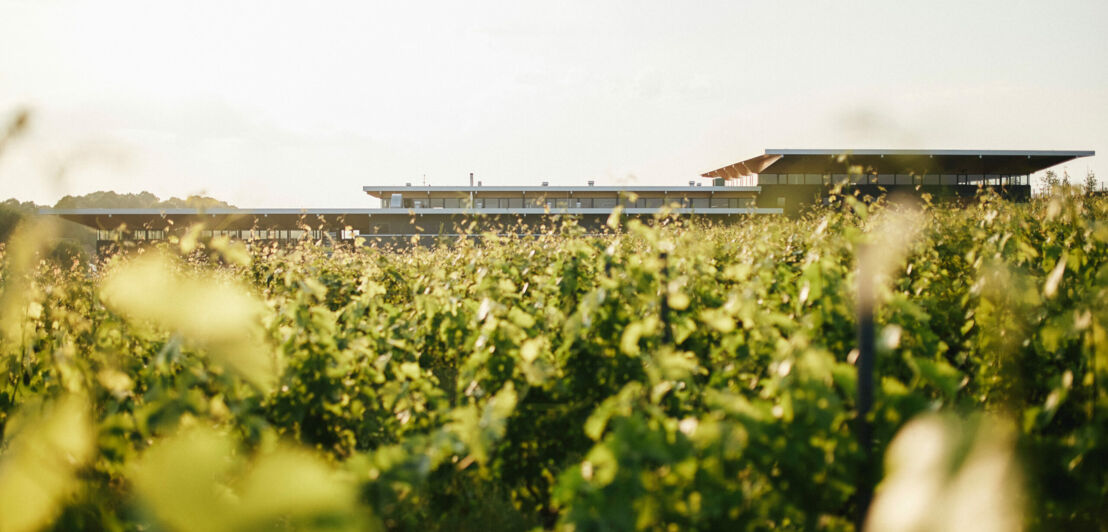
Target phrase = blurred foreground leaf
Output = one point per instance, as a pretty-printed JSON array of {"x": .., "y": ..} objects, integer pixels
[
  {"x": 222, "y": 318},
  {"x": 17, "y": 301},
  {"x": 42, "y": 451},
  {"x": 945, "y": 473},
  {"x": 197, "y": 481}
]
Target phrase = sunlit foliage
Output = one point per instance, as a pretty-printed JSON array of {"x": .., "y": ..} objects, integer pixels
[{"x": 668, "y": 375}]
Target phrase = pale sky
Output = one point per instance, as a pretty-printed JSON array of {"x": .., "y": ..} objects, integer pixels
[{"x": 300, "y": 104}]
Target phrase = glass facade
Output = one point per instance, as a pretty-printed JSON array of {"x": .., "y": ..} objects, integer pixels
[
  {"x": 540, "y": 202},
  {"x": 559, "y": 200},
  {"x": 894, "y": 179}
]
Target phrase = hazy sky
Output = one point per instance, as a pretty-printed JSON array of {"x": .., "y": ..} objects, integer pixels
[{"x": 287, "y": 104}]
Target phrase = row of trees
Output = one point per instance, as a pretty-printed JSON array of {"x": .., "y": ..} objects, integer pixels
[
  {"x": 1052, "y": 181},
  {"x": 74, "y": 241},
  {"x": 12, "y": 211},
  {"x": 143, "y": 200}
]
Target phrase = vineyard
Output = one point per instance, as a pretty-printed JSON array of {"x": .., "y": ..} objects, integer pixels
[{"x": 664, "y": 376}]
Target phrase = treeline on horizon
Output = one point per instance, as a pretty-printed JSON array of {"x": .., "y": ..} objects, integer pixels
[
  {"x": 110, "y": 199},
  {"x": 75, "y": 239}
]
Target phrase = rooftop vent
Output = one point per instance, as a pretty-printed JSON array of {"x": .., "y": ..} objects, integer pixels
[
  {"x": 471, "y": 179},
  {"x": 591, "y": 182},
  {"x": 546, "y": 183},
  {"x": 478, "y": 183},
  {"x": 407, "y": 184},
  {"x": 692, "y": 183}
]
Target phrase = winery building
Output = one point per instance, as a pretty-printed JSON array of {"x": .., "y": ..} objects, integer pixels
[
  {"x": 776, "y": 182},
  {"x": 790, "y": 179}
]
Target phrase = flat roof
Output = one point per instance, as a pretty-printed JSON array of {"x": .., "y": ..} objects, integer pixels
[
  {"x": 918, "y": 162},
  {"x": 326, "y": 219}
]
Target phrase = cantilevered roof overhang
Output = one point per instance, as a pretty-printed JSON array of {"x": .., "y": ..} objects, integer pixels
[
  {"x": 914, "y": 162},
  {"x": 216, "y": 218}
]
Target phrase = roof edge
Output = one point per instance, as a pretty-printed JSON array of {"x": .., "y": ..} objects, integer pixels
[{"x": 1031, "y": 153}]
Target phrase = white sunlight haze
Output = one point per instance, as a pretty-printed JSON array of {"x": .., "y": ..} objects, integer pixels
[{"x": 300, "y": 104}]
